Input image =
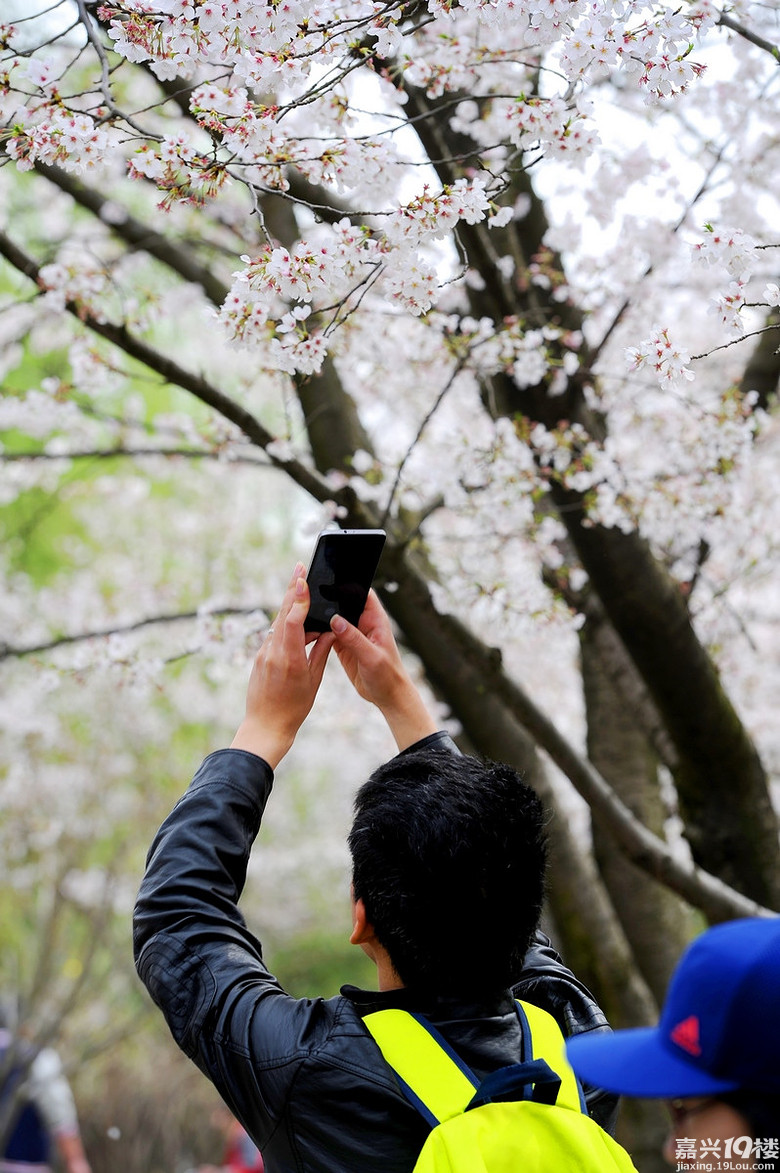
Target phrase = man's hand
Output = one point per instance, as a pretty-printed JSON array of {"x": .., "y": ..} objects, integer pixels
[
  {"x": 370, "y": 658},
  {"x": 284, "y": 679}
]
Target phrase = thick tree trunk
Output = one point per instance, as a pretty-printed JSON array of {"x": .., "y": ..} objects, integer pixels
[
  {"x": 724, "y": 797},
  {"x": 656, "y": 922}
]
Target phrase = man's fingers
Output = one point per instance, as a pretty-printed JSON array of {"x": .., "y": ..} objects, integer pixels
[
  {"x": 346, "y": 633},
  {"x": 374, "y": 616},
  {"x": 319, "y": 655},
  {"x": 294, "y": 609},
  {"x": 357, "y": 653}
]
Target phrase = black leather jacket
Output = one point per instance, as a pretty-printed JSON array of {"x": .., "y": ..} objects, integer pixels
[{"x": 302, "y": 1075}]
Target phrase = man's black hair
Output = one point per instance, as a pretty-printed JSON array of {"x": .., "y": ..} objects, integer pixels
[{"x": 448, "y": 856}]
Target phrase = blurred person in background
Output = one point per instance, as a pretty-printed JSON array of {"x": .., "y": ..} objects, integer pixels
[{"x": 38, "y": 1120}]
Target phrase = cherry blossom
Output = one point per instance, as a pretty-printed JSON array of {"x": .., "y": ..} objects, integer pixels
[
  {"x": 660, "y": 354},
  {"x": 734, "y": 249}
]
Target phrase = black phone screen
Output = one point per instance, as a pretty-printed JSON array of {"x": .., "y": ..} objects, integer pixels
[{"x": 340, "y": 576}]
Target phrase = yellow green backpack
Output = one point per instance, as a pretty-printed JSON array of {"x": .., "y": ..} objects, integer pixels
[{"x": 529, "y": 1117}]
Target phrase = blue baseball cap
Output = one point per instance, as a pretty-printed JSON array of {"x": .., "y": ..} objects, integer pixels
[{"x": 719, "y": 1029}]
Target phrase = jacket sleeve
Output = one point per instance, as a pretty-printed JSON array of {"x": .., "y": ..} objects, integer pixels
[{"x": 193, "y": 951}]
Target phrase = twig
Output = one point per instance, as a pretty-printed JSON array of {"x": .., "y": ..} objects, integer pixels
[
  {"x": 9, "y": 651},
  {"x": 729, "y": 23},
  {"x": 735, "y": 341}
]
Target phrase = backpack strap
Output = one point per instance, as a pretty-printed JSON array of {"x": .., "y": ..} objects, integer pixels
[
  {"x": 433, "y": 1078},
  {"x": 548, "y": 1043}
]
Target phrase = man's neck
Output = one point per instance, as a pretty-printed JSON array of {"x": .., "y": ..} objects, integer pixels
[{"x": 386, "y": 976}]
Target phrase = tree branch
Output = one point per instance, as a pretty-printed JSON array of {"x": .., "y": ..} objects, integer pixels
[
  {"x": 131, "y": 453},
  {"x": 137, "y": 234},
  {"x": 169, "y": 370},
  {"x": 729, "y": 23},
  {"x": 10, "y": 651}
]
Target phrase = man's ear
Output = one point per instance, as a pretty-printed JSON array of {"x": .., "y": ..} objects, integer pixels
[
  {"x": 362, "y": 929},
  {"x": 363, "y": 935}
]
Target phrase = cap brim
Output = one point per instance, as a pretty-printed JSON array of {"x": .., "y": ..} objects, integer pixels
[{"x": 639, "y": 1062}]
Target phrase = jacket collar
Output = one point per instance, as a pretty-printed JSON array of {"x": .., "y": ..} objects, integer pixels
[{"x": 432, "y": 1005}]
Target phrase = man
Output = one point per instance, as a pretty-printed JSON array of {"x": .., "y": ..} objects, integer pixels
[
  {"x": 448, "y": 882},
  {"x": 714, "y": 1053}
]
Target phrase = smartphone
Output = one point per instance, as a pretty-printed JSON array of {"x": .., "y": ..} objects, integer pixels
[{"x": 340, "y": 575}]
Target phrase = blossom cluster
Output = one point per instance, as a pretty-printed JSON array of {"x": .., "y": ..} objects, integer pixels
[
  {"x": 327, "y": 273},
  {"x": 71, "y": 140},
  {"x": 275, "y": 48},
  {"x": 272, "y": 298},
  {"x": 551, "y": 123},
  {"x": 660, "y": 354},
  {"x": 732, "y": 248},
  {"x": 737, "y": 253},
  {"x": 311, "y": 124},
  {"x": 270, "y": 43},
  {"x": 74, "y": 283},
  {"x": 179, "y": 170}
]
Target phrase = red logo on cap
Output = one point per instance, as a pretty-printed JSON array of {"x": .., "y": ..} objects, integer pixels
[{"x": 686, "y": 1035}]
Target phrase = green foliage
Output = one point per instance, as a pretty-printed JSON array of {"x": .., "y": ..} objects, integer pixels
[
  {"x": 35, "y": 530},
  {"x": 317, "y": 965}
]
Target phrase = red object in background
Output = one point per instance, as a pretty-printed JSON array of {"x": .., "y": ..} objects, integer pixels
[{"x": 241, "y": 1155}]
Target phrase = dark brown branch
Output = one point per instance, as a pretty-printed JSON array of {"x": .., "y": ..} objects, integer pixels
[
  {"x": 131, "y": 453},
  {"x": 137, "y": 234},
  {"x": 762, "y": 372}
]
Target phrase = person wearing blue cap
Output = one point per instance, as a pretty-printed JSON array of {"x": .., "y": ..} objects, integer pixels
[{"x": 714, "y": 1055}]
